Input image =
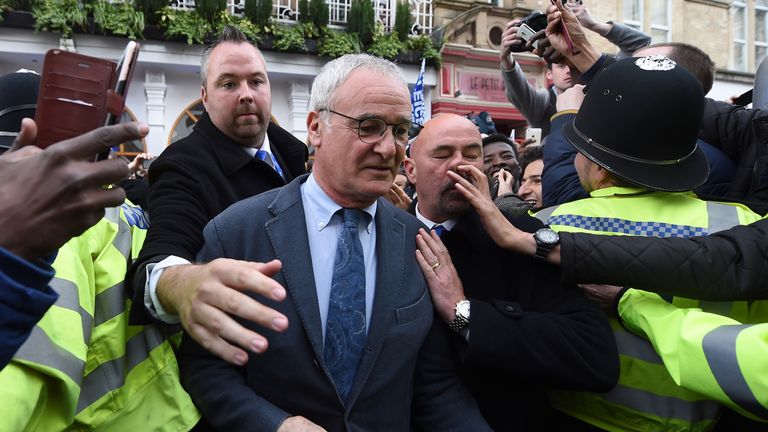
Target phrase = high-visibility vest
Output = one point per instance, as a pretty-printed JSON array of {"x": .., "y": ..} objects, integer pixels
[
  {"x": 84, "y": 367},
  {"x": 646, "y": 397},
  {"x": 714, "y": 355}
]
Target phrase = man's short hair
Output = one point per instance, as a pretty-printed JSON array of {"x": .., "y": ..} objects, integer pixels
[
  {"x": 335, "y": 72},
  {"x": 497, "y": 137},
  {"x": 531, "y": 153},
  {"x": 228, "y": 34},
  {"x": 693, "y": 59}
]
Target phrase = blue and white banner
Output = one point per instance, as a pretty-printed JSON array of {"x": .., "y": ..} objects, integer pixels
[{"x": 417, "y": 99}]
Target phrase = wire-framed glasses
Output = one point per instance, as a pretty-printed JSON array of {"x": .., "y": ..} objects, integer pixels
[{"x": 372, "y": 129}]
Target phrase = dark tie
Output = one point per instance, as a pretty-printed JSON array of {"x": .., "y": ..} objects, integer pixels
[
  {"x": 262, "y": 155},
  {"x": 345, "y": 327},
  {"x": 439, "y": 229}
]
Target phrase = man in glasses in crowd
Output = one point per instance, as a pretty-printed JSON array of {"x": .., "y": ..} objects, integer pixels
[{"x": 361, "y": 351}]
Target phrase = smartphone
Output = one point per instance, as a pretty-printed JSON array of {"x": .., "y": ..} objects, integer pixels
[
  {"x": 533, "y": 134},
  {"x": 526, "y": 33},
  {"x": 77, "y": 93},
  {"x": 73, "y": 95},
  {"x": 125, "y": 68},
  {"x": 145, "y": 163}
]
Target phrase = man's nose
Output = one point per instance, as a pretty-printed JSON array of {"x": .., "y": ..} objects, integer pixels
[
  {"x": 524, "y": 189},
  {"x": 246, "y": 94},
  {"x": 387, "y": 146}
]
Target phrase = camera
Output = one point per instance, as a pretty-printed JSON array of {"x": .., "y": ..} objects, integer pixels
[{"x": 531, "y": 25}]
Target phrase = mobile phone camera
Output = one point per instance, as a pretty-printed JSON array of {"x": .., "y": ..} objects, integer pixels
[{"x": 531, "y": 25}]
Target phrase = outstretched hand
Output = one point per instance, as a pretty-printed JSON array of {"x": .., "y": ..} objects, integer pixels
[
  {"x": 57, "y": 193},
  {"x": 207, "y": 296}
]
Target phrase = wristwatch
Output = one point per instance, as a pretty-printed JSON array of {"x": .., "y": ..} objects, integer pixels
[
  {"x": 546, "y": 239},
  {"x": 461, "y": 319}
]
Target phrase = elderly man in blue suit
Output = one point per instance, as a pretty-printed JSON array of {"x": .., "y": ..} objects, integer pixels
[{"x": 361, "y": 352}]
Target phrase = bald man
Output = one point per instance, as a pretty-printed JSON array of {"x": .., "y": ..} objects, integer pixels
[{"x": 517, "y": 330}]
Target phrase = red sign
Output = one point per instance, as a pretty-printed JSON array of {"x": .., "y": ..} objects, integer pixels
[{"x": 486, "y": 87}]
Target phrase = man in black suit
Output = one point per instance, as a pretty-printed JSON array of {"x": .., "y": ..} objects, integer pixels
[
  {"x": 517, "y": 329},
  {"x": 361, "y": 353},
  {"x": 234, "y": 152}
]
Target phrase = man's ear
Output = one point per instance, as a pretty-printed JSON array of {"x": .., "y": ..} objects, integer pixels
[
  {"x": 203, "y": 95},
  {"x": 602, "y": 177},
  {"x": 410, "y": 170},
  {"x": 313, "y": 129}
]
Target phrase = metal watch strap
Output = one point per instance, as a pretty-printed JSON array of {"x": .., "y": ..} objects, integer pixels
[
  {"x": 458, "y": 324},
  {"x": 459, "y": 321}
]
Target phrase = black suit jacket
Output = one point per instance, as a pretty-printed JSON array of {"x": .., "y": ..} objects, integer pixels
[
  {"x": 528, "y": 331},
  {"x": 194, "y": 180}
]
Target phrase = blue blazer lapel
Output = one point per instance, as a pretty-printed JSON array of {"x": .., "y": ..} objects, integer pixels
[
  {"x": 390, "y": 261},
  {"x": 287, "y": 233}
]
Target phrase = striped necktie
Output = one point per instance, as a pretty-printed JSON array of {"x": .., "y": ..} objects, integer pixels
[{"x": 268, "y": 159}]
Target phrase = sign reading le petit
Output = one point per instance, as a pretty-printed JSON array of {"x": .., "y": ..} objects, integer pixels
[{"x": 486, "y": 87}]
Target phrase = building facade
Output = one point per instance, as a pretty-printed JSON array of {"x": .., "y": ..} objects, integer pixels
[{"x": 165, "y": 91}]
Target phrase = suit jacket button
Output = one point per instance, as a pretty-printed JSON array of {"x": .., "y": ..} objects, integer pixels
[{"x": 509, "y": 308}]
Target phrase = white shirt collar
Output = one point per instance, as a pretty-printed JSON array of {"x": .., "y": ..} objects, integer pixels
[
  {"x": 264, "y": 146},
  {"x": 322, "y": 207},
  {"x": 448, "y": 224}
]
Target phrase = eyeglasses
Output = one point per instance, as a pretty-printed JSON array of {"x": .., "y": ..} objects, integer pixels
[{"x": 372, "y": 129}]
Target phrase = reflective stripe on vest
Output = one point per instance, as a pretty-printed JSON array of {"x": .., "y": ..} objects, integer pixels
[
  {"x": 69, "y": 299},
  {"x": 40, "y": 349},
  {"x": 720, "y": 217},
  {"x": 674, "y": 411},
  {"x": 720, "y": 350},
  {"x": 666, "y": 407},
  {"x": 111, "y": 375},
  {"x": 122, "y": 362}
]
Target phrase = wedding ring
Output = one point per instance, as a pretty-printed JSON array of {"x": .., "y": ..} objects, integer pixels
[{"x": 435, "y": 265}]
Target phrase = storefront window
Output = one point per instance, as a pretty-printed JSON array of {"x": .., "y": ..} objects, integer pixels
[{"x": 186, "y": 121}]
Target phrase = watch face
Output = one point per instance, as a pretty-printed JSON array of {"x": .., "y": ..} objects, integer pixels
[
  {"x": 547, "y": 236},
  {"x": 463, "y": 309}
]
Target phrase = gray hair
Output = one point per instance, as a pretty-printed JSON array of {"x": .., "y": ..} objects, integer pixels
[
  {"x": 228, "y": 34},
  {"x": 335, "y": 72}
]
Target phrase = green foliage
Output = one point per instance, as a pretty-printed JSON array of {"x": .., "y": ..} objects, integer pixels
[
  {"x": 385, "y": 45},
  {"x": 309, "y": 30},
  {"x": 259, "y": 12},
  {"x": 336, "y": 44},
  {"x": 150, "y": 9},
  {"x": 210, "y": 9},
  {"x": 4, "y": 5},
  {"x": 318, "y": 13},
  {"x": 186, "y": 24},
  {"x": 360, "y": 20},
  {"x": 194, "y": 28},
  {"x": 402, "y": 20},
  {"x": 243, "y": 24},
  {"x": 289, "y": 38},
  {"x": 304, "y": 11},
  {"x": 119, "y": 18},
  {"x": 427, "y": 47},
  {"x": 59, "y": 16}
]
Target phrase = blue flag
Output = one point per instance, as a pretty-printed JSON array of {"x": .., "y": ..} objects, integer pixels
[{"x": 417, "y": 99}]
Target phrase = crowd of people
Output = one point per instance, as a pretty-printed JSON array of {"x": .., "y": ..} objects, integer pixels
[{"x": 610, "y": 279}]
